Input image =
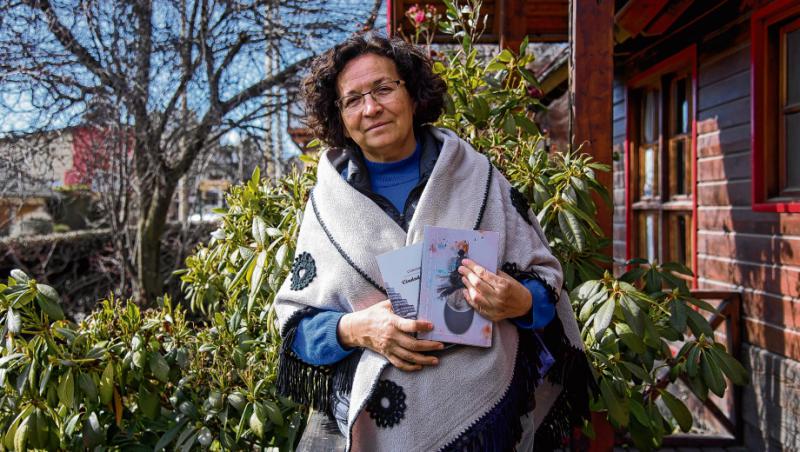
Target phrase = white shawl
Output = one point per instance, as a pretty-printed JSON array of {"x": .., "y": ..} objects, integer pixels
[{"x": 474, "y": 397}]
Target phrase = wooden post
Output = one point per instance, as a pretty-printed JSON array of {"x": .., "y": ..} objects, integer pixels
[{"x": 591, "y": 85}]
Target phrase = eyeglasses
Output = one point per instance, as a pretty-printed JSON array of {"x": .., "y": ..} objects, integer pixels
[{"x": 381, "y": 93}]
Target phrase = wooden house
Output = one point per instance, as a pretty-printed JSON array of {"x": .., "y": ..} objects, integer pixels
[
  {"x": 706, "y": 118},
  {"x": 696, "y": 105}
]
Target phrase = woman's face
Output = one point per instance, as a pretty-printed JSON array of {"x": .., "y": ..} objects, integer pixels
[{"x": 384, "y": 131}]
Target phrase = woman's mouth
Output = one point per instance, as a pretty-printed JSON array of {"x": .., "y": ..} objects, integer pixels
[{"x": 377, "y": 126}]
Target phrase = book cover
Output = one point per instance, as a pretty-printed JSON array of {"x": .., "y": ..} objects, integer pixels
[
  {"x": 400, "y": 270},
  {"x": 441, "y": 298}
]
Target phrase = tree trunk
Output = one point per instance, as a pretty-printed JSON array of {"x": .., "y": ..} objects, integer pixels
[{"x": 152, "y": 218}]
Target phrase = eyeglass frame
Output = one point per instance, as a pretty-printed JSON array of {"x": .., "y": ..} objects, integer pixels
[{"x": 340, "y": 106}]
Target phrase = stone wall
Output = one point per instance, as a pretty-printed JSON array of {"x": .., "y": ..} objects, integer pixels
[{"x": 771, "y": 403}]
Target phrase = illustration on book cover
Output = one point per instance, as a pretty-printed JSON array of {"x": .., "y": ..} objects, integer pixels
[{"x": 442, "y": 293}]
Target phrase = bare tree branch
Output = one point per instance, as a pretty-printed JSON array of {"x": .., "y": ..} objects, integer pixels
[{"x": 160, "y": 96}]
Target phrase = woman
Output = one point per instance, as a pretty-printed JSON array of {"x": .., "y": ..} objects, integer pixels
[{"x": 385, "y": 176}]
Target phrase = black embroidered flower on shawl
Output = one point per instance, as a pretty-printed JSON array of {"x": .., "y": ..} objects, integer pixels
[
  {"x": 303, "y": 271},
  {"x": 387, "y": 406},
  {"x": 521, "y": 204}
]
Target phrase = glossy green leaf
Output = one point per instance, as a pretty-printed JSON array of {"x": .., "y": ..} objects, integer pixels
[
  {"x": 259, "y": 230},
  {"x": 639, "y": 412},
  {"x": 712, "y": 376},
  {"x": 257, "y": 419},
  {"x": 159, "y": 367},
  {"x": 633, "y": 314},
  {"x": 729, "y": 365},
  {"x": 87, "y": 386},
  {"x": 170, "y": 435},
  {"x": 678, "y": 314},
  {"x": 603, "y": 317},
  {"x": 149, "y": 403},
  {"x": 698, "y": 324},
  {"x": 678, "y": 410},
  {"x": 50, "y": 307},
  {"x": 21, "y": 435},
  {"x": 19, "y": 275},
  {"x": 107, "y": 384},
  {"x": 93, "y": 432},
  {"x": 13, "y": 321},
  {"x": 66, "y": 389},
  {"x": 617, "y": 412}
]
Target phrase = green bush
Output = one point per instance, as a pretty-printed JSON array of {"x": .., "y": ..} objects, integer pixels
[
  {"x": 153, "y": 380},
  {"x": 150, "y": 380},
  {"x": 134, "y": 380}
]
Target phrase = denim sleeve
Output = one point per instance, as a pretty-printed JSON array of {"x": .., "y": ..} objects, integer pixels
[
  {"x": 543, "y": 309},
  {"x": 317, "y": 342}
]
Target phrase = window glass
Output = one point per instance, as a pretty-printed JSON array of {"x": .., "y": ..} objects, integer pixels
[
  {"x": 793, "y": 151},
  {"x": 680, "y": 245},
  {"x": 682, "y": 240},
  {"x": 793, "y": 67},
  {"x": 681, "y": 108},
  {"x": 679, "y": 163},
  {"x": 650, "y": 237},
  {"x": 649, "y": 117},
  {"x": 648, "y": 189}
]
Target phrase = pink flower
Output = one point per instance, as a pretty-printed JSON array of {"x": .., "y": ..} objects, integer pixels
[
  {"x": 535, "y": 92},
  {"x": 419, "y": 17}
]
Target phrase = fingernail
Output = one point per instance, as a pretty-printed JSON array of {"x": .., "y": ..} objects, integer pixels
[{"x": 435, "y": 361}]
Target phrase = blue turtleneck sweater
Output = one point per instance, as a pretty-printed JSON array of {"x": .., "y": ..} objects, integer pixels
[{"x": 395, "y": 180}]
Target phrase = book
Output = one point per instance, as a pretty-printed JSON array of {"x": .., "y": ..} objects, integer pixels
[
  {"x": 401, "y": 270},
  {"x": 441, "y": 296}
]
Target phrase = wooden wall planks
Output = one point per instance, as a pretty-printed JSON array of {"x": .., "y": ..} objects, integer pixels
[{"x": 738, "y": 248}]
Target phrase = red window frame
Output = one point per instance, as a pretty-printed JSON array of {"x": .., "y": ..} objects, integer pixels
[
  {"x": 760, "y": 23},
  {"x": 686, "y": 58}
]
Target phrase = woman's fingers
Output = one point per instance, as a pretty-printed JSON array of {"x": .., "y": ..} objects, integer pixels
[
  {"x": 415, "y": 358},
  {"x": 479, "y": 284},
  {"x": 418, "y": 345},
  {"x": 412, "y": 326},
  {"x": 475, "y": 297},
  {"x": 390, "y": 335},
  {"x": 402, "y": 364},
  {"x": 480, "y": 303},
  {"x": 404, "y": 349},
  {"x": 470, "y": 266}
]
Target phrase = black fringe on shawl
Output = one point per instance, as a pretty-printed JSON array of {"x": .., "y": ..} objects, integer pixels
[
  {"x": 304, "y": 383},
  {"x": 571, "y": 371},
  {"x": 307, "y": 384},
  {"x": 521, "y": 275},
  {"x": 500, "y": 429}
]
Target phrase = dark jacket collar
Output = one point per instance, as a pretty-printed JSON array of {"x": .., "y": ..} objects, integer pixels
[{"x": 353, "y": 169}]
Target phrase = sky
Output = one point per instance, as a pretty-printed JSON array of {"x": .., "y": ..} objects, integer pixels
[{"x": 22, "y": 118}]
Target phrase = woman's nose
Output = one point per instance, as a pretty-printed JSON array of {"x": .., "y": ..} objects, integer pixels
[{"x": 371, "y": 106}]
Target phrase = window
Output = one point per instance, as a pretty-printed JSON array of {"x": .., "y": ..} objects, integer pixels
[
  {"x": 660, "y": 176},
  {"x": 775, "y": 54}
]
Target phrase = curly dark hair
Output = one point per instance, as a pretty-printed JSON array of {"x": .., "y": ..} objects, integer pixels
[{"x": 413, "y": 64}]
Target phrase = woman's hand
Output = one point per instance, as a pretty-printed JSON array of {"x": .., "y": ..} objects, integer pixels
[
  {"x": 379, "y": 329},
  {"x": 494, "y": 296}
]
